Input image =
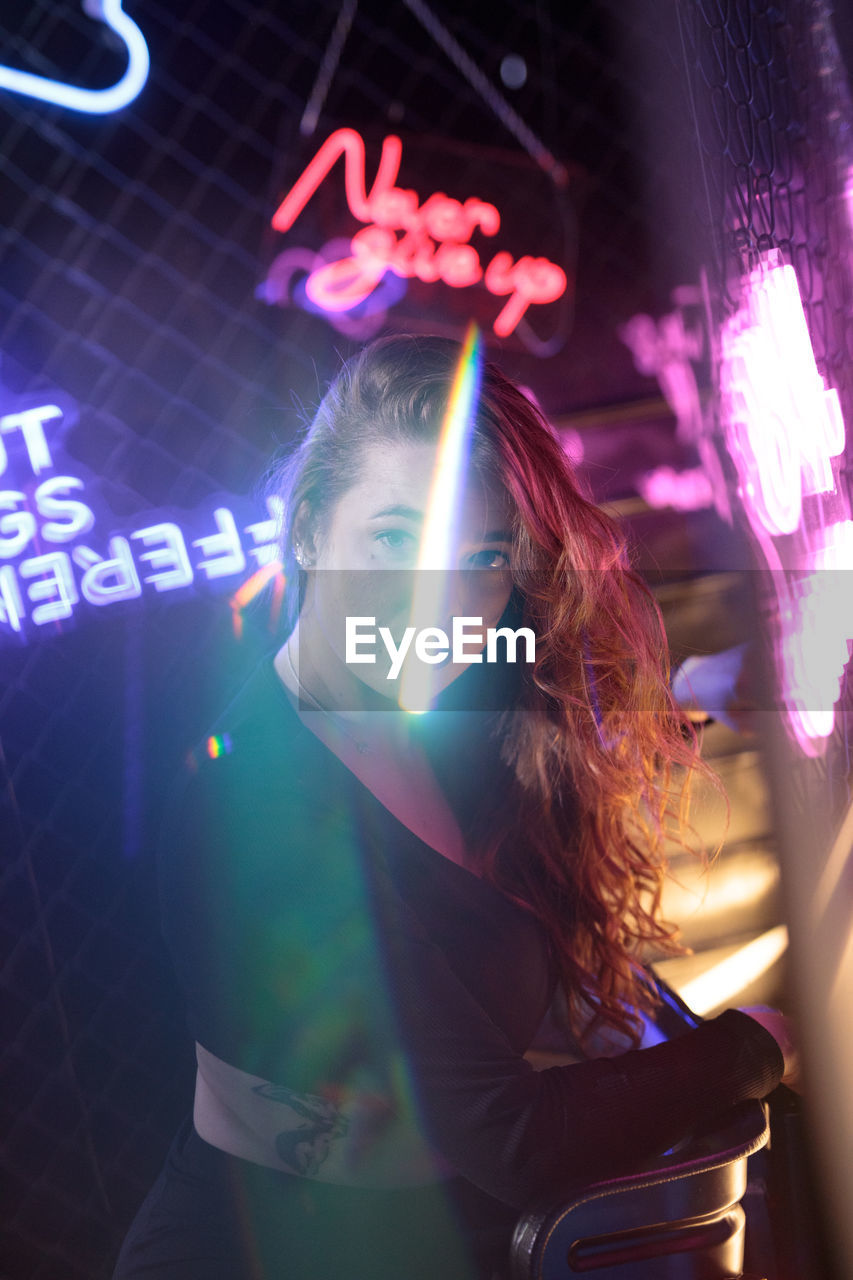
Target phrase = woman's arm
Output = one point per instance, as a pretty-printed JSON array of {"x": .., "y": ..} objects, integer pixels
[
  {"x": 517, "y": 1132},
  {"x": 273, "y": 928}
]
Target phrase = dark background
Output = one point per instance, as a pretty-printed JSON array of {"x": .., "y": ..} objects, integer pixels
[{"x": 133, "y": 247}]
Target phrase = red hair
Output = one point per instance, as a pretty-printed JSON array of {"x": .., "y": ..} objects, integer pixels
[{"x": 600, "y": 755}]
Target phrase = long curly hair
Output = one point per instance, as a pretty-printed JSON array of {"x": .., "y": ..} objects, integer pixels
[{"x": 598, "y": 756}]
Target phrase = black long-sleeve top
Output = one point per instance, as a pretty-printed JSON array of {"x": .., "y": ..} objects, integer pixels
[{"x": 320, "y": 942}]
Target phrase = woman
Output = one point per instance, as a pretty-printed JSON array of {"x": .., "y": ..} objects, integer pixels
[{"x": 371, "y": 914}]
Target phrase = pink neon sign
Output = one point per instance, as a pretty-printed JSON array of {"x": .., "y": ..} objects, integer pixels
[
  {"x": 427, "y": 240},
  {"x": 783, "y": 427}
]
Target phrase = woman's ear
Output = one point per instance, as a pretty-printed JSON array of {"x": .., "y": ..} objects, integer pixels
[{"x": 304, "y": 535}]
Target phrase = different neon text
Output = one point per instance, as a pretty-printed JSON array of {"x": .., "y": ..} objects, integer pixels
[{"x": 429, "y": 240}]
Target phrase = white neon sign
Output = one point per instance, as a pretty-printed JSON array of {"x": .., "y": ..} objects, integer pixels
[
  {"x": 47, "y": 563},
  {"x": 91, "y": 101},
  {"x": 783, "y": 428},
  {"x": 783, "y": 424}
]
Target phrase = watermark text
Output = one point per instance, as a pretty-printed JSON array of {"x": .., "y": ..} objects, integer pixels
[{"x": 433, "y": 645}]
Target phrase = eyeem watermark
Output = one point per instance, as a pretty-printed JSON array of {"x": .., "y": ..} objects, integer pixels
[{"x": 433, "y": 645}]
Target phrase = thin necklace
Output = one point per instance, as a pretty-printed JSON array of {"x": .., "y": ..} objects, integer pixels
[{"x": 363, "y": 748}]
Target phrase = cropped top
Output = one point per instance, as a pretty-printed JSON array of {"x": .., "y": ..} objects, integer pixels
[{"x": 322, "y": 946}]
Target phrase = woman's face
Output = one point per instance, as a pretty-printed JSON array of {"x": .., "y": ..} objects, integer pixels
[{"x": 363, "y": 564}]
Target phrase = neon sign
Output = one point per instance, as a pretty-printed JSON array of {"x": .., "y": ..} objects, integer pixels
[
  {"x": 285, "y": 283},
  {"x": 689, "y": 490},
  {"x": 783, "y": 424},
  {"x": 427, "y": 240},
  {"x": 91, "y": 101},
  {"x": 783, "y": 428},
  {"x": 48, "y": 564},
  {"x": 667, "y": 349}
]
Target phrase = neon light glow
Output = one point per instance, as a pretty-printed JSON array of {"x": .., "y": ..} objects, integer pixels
[
  {"x": 107, "y": 580},
  {"x": 814, "y": 652},
  {"x": 347, "y": 143},
  {"x": 433, "y": 244},
  {"x": 247, "y": 592},
  {"x": 291, "y": 269},
  {"x": 54, "y": 583},
  {"x": 46, "y": 567},
  {"x": 225, "y": 554},
  {"x": 783, "y": 425},
  {"x": 439, "y": 531},
  {"x": 91, "y": 101},
  {"x": 30, "y": 423},
  {"x": 664, "y": 349},
  {"x": 667, "y": 349},
  {"x": 689, "y": 490},
  {"x": 783, "y": 428}
]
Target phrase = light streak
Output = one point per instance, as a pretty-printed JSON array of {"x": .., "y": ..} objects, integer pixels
[
  {"x": 743, "y": 885},
  {"x": 91, "y": 101},
  {"x": 248, "y": 590},
  {"x": 834, "y": 870},
  {"x": 724, "y": 981},
  {"x": 440, "y": 523}
]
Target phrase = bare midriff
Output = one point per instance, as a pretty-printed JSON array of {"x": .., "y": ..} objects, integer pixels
[{"x": 348, "y": 1136}]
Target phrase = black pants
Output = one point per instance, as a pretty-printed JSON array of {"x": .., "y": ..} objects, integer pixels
[{"x": 212, "y": 1216}]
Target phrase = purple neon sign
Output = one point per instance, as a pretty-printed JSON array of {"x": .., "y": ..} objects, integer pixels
[
  {"x": 53, "y": 558},
  {"x": 785, "y": 433}
]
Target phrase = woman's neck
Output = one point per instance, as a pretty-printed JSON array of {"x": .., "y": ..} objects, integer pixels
[
  {"x": 381, "y": 749},
  {"x": 321, "y": 682}
]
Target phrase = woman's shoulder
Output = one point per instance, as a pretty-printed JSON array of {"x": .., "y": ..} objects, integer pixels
[
  {"x": 254, "y": 765},
  {"x": 254, "y": 810},
  {"x": 257, "y": 733},
  {"x": 258, "y": 709}
]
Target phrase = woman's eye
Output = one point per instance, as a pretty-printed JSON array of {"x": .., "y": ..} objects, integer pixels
[
  {"x": 396, "y": 540},
  {"x": 489, "y": 559}
]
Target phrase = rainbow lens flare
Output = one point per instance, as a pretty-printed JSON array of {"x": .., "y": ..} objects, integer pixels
[
  {"x": 437, "y": 539},
  {"x": 218, "y": 745}
]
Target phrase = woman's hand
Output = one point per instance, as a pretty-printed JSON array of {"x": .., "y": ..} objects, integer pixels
[{"x": 782, "y": 1031}]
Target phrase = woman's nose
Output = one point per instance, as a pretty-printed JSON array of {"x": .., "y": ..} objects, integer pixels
[{"x": 468, "y": 593}]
